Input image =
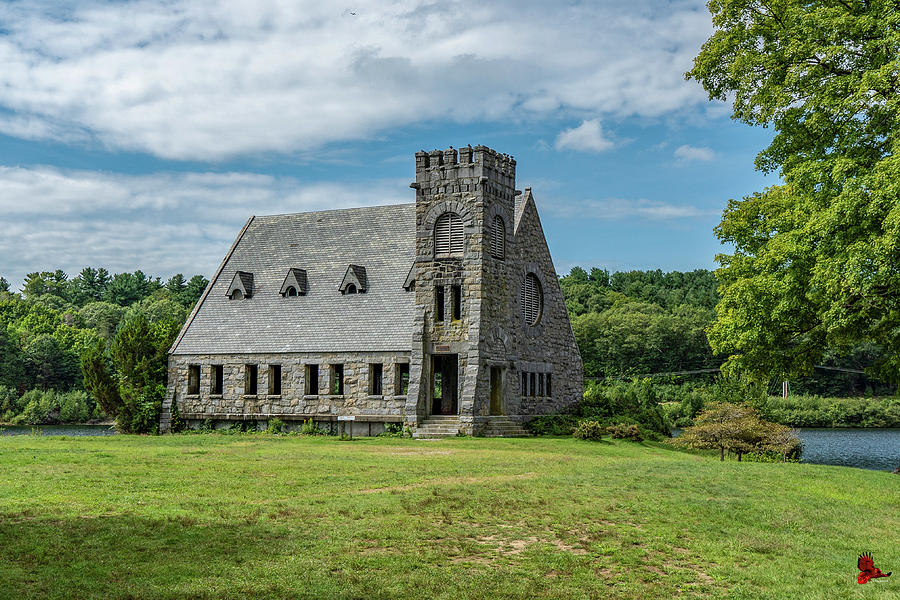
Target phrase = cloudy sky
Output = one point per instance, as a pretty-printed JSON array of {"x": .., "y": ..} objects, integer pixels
[{"x": 141, "y": 135}]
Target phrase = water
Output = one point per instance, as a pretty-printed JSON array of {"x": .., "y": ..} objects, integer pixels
[
  {"x": 57, "y": 429},
  {"x": 875, "y": 449}
]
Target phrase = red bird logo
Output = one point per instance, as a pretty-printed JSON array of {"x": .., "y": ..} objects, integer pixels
[{"x": 867, "y": 569}]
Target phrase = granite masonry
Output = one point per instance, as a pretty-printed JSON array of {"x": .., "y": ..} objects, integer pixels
[{"x": 442, "y": 316}]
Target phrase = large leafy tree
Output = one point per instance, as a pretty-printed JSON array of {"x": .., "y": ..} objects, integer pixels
[{"x": 816, "y": 260}]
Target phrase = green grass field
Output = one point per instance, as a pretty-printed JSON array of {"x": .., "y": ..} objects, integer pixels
[{"x": 215, "y": 516}]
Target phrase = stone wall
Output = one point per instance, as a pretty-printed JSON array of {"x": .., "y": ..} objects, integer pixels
[{"x": 293, "y": 403}]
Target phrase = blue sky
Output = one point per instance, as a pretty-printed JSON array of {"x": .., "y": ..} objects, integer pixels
[{"x": 143, "y": 134}]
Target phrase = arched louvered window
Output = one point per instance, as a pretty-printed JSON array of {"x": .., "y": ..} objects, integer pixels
[
  {"x": 449, "y": 239},
  {"x": 532, "y": 299},
  {"x": 498, "y": 238}
]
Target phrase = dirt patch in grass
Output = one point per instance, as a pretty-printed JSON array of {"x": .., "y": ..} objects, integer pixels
[{"x": 447, "y": 481}]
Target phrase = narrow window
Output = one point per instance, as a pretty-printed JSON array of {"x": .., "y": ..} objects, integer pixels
[
  {"x": 531, "y": 383},
  {"x": 337, "y": 380},
  {"x": 312, "y": 380},
  {"x": 524, "y": 377},
  {"x": 216, "y": 380},
  {"x": 498, "y": 238},
  {"x": 439, "y": 302},
  {"x": 193, "y": 379},
  {"x": 375, "y": 379},
  {"x": 251, "y": 378},
  {"x": 549, "y": 389},
  {"x": 275, "y": 380},
  {"x": 540, "y": 384},
  {"x": 401, "y": 384},
  {"x": 455, "y": 301},
  {"x": 532, "y": 299}
]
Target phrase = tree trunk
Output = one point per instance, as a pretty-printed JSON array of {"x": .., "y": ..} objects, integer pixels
[
  {"x": 722, "y": 453},
  {"x": 739, "y": 455}
]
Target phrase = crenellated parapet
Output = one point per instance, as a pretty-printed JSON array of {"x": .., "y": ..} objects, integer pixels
[{"x": 465, "y": 170}]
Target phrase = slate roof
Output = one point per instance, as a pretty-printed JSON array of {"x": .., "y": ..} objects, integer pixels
[{"x": 323, "y": 244}]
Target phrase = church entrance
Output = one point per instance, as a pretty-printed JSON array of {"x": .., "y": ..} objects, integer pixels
[
  {"x": 496, "y": 391},
  {"x": 444, "y": 384}
]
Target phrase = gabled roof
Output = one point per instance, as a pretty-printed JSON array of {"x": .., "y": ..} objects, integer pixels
[
  {"x": 356, "y": 275},
  {"x": 295, "y": 278},
  {"x": 321, "y": 243},
  {"x": 242, "y": 281}
]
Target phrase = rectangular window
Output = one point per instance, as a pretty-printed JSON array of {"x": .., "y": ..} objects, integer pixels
[
  {"x": 337, "y": 380},
  {"x": 532, "y": 383},
  {"x": 549, "y": 389},
  {"x": 540, "y": 384},
  {"x": 401, "y": 383},
  {"x": 312, "y": 380},
  {"x": 216, "y": 380},
  {"x": 456, "y": 302},
  {"x": 275, "y": 380},
  {"x": 193, "y": 379},
  {"x": 524, "y": 376},
  {"x": 376, "y": 371},
  {"x": 251, "y": 378},
  {"x": 439, "y": 302}
]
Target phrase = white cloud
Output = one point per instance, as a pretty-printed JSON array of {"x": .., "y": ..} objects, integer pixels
[
  {"x": 612, "y": 209},
  {"x": 688, "y": 154},
  {"x": 211, "y": 79},
  {"x": 176, "y": 222},
  {"x": 587, "y": 137}
]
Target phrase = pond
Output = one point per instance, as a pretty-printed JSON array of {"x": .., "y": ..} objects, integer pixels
[
  {"x": 57, "y": 429},
  {"x": 875, "y": 449}
]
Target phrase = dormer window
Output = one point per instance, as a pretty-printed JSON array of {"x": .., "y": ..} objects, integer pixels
[
  {"x": 241, "y": 286},
  {"x": 294, "y": 284},
  {"x": 449, "y": 237},
  {"x": 355, "y": 280}
]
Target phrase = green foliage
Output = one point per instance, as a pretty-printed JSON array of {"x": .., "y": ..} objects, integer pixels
[
  {"x": 737, "y": 428},
  {"x": 99, "y": 380},
  {"x": 394, "y": 430},
  {"x": 814, "y": 260},
  {"x": 588, "y": 429},
  {"x": 50, "y": 365},
  {"x": 637, "y": 400},
  {"x": 274, "y": 426},
  {"x": 815, "y": 411},
  {"x": 310, "y": 428},
  {"x": 44, "y": 407},
  {"x": 552, "y": 425},
  {"x": 102, "y": 317},
  {"x": 621, "y": 431}
]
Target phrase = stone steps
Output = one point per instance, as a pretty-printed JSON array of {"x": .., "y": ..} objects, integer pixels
[
  {"x": 503, "y": 427},
  {"x": 438, "y": 426}
]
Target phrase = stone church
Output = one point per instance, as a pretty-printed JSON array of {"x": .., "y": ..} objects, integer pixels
[{"x": 444, "y": 315}]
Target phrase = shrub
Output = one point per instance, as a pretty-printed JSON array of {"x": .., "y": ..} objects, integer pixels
[
  {"x": 589, "y": 430},
  {"x": 552, "y": 425},
  {"x": 622, "y": 431},
  {"x": 75, "y": 407},
  {"x": 310, "y": 428},
  {"x": 392, "y": 430},
  {"x": 274, "y": 426}
]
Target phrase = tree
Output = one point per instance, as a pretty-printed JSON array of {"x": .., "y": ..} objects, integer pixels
[
  {"x": 4, "y": 284},
  {"x": 195, "y": 288},
  {"x": 99, "y": 380},
  {"x": 90, "y": 285},
  {"x": 737, "y": 428},
  {"x": 815, "y": 259}
]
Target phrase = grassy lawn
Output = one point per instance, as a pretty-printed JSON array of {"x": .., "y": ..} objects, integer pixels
[{"x": 214, "y": 516}]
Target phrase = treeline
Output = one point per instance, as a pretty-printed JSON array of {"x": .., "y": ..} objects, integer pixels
[
  {"x": 50, "y": 326},
  {"x": 641, "y": 322},
  {"x": 636, "y": 323}
]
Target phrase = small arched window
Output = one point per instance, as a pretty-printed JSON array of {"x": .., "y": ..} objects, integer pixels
[
  {"x": 291, "y": 291},
  {"x": 237, "y": 294},
  {"x": 498, "y": 237},
  {"x": 449, "y": 238},
  {"x": 532, "y": 299},
  {"x": 351, "y": 289}
]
